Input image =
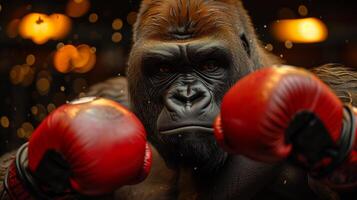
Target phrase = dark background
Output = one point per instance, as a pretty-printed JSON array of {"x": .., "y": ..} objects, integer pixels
[{"x": 17, "y": 102}]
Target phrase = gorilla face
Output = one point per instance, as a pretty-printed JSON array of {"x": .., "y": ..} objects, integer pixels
[{"x": 186, "y": 55}]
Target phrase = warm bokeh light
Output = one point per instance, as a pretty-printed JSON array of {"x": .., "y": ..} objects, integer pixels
[
  {"x": 93, "y": 18},
  {"x": 131, "y": 18},
  {"x": 308, "y": 30},
  {"x": 34, "y": 110},
  {"x": 27, "y": 129},
  {"x": 63, "y": 56},
  {"x": 62, "y": 25},
  {"x": 51, "y": 107},
  {"x": 21, "y": 133},
  {"x": 77, "y": 8},
  {"x": 30, "y": 59},
  {"x": 43, "y": 86},
  {"x": 5, "y": 122},
  {"x": 59, "y": 45},
  {"x": 22, "y": 74},
  {"x": 41, "y": 28},
  {"x": 303, "y": 11},
  {"x": 80, "y": 59},
  {"x": 117, "y": 24},
  {"x": 36, "y": 26},
  {"x": 117, "y": 37},
  {"x": 288, "y": 44}
]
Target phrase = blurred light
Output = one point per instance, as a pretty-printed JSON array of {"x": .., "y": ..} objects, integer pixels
[
  {"x": 117, "y": 24},
  {"x": 42, "y": 112},
  {"x": 78, "y": 59},
  {"x": 303, "y": 11},
  {"x": 62, "y": 88},
  {"x": 59, "y": 45},
  {"x": 34, "y": 110},
  {"x": 22, "y": 74},
  {"x": 77, "y": 8},
  {"x": 131, "y": 18},
  {"x": 12, "y": 28},
  {"x": 30, "y": 59},
  {"x": 16, "y": 75},
  {"x": 306, "y": 30},
  {"x": 51, "y": 107},
  {"x": 288, "y": 44},
  {"x": 117, "y": 37},
  {"x": 93, "y": 18},
  {"x": 63, "y": 57},
  {"x": 269, "y": 47},
  {"x": 21, "y": 133},
  {"x": 43, "y": 86},
  {"x": 36, "y": 26},
  {"x": 44, "y": 74},
  {"x": 5, "y": 122},
  {"x": 40, "y": 27},
  {"x": 0, "y": 7},
  {"x": 27, "y": 128},
  {"x": 29, "y": 74},
  {"x": 62, "y": 25},
  {"x": 86, "y": 59}
]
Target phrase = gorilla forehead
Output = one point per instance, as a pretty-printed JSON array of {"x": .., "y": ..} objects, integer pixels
[{"x": 182, "y": 19}]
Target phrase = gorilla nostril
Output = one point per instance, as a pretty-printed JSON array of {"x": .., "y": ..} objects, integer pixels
[
  {"x": 188, "y": 98},
  {"x": 180, "y": 98}
]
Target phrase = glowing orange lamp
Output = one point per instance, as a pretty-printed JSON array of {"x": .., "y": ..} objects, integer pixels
[
  {"x": 69, "y": 58},
  {"x": 40, "y": 28},
  {"x": 307, "y": 30}
]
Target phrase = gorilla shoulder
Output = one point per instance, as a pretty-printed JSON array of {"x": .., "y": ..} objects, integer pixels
[
  {"x": 114, "y": 88},
  {"x": 341, "y": 79}
]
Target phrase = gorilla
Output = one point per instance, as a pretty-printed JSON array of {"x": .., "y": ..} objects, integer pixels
[{"x": 185, "y": 55}]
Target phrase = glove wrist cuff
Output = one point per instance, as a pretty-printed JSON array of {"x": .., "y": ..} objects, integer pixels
[
  {"x": 314, "y": 149},
  {"x": 19, "y": 182},
  {"x": 346, "y": 141}
]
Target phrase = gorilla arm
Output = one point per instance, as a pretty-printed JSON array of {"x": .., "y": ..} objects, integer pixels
[
  {"x": 159, "y": 185},
  {"x": 343, "y": 81},
  {"x": 5, "y": 161},
  {"x": 291, "y": 84}
]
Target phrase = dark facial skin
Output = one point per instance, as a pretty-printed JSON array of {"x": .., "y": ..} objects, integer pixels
[{"x": 185, "y": 56}]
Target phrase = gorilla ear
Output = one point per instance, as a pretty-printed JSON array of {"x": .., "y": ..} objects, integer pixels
[{"x": 245, "y": 44}]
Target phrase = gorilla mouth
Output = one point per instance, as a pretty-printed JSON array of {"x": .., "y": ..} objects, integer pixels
[{"x": 187, "y": 129}]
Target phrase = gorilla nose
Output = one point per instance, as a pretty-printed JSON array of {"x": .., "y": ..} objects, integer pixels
[
  {"x": 189, "y": 107},
  {"x": 187, "y": 98}
]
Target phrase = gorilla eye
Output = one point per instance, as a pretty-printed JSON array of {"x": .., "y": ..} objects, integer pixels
[
  {"x": 164, "y": 69},
  {"x": 209, "y": 66},
  {"x": 245, "y": 44}
]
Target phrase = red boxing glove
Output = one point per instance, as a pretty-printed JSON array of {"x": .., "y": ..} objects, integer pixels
[
  {"x": 88, "y": 147},
  {"x": 276, "y": 113}
]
